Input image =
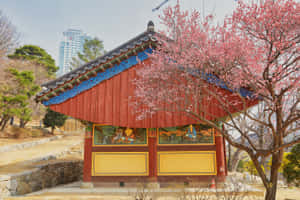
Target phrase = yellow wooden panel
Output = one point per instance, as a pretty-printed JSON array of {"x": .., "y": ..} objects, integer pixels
[
  {"x": 120, "y": 164},
  {"x": 186, "y": 163}
]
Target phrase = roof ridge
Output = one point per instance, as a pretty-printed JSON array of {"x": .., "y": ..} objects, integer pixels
[
  {"x": 145, "y": 33},
  {"x": 146, "y": 36}
]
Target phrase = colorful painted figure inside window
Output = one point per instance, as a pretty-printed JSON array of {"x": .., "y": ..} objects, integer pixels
[
  {"x": 112, "y": 135},
  {"x": 190, "y": 134}
]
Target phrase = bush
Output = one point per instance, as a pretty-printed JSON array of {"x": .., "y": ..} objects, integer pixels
[
  {"x": 291, "y": 170},
  {"x": 54, "y": 119}
]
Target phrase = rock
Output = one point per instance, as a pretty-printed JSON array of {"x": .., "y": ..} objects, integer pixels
[
  {"x": 87, "y": 185},
  {"x": 23, "y": 188},
  {"x": 4, "y": 187},
  {"x": 43, "y": 176},
  {"x": 13, "y": 186}
]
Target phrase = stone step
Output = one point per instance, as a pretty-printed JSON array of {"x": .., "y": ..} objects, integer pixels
[
  {"x": 46, "y": 151},
  {"x": 29, "y": 144},
  {"x": 73, "y": 197},
  {"x": 123, "y": 194},
  {"x": 42, "y": 166},
  {"x": 75, "y": 191},
  {"x": 45, "y": 174}
]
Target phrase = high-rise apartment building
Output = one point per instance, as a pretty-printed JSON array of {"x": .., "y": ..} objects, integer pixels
[{"x": 71, "y": 44}]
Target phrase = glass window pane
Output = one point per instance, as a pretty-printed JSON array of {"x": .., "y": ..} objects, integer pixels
[
  {"x": 112, "y": 135},
  {"x": 189, "y": 134}
]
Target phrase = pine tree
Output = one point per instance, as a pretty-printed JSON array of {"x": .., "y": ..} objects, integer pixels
[
  {"x": 36, "y": 54},
  {"x": 54, "y": 119},
  {"x": 92, "y": 49}
]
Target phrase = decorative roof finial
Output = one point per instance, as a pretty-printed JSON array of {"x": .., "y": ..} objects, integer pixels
[{"x": 150, "y": 26}]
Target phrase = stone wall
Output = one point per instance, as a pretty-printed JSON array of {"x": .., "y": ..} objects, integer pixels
[{"x": 43, "y": 176}]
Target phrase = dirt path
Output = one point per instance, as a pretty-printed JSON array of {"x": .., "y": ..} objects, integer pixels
[
  {"x": 10, "y": 141},
  {"x": 39, "y": 151},
  {"x": 283, "y": 194}
]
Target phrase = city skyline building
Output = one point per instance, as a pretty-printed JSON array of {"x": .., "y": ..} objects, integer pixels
[{"x": 71, "y": 44}]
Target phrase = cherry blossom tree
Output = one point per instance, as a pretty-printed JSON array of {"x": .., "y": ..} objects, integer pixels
[{"x": 252, "y": 58}]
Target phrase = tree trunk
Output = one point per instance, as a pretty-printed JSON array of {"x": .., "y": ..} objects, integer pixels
[
  {"x": 272, "y": 187},
  {"x": 264, "y": 163},
  {"x": 25, "y": 122},
  {"x": 235, "y": 159},
  {"x": 271, "y": 193},
  {"x": 2, "y": 120},
  {"x": 52, "y": 130},
  {"x": 229, "y": 158},
  {"x": 21, "y": 125},
  {"x": 4, "y": 124}
]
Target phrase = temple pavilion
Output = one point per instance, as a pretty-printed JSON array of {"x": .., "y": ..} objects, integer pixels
[{"x": 119, "y": 147}]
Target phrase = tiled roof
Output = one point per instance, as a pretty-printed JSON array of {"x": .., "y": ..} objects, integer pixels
[{"x": 145, "y": 37}]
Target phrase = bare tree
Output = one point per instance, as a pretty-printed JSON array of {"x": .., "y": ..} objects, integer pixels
[{"x": 8, "y": 35}]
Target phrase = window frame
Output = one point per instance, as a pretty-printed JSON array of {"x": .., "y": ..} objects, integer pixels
[
  {"x": 116, "y": 145},
  {"x": 194, "y": 144}
]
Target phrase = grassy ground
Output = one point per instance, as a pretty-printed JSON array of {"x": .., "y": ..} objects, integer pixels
[{"x": 283, "y": 194}]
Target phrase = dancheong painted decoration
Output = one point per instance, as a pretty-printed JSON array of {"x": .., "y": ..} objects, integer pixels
[{"x": 118, "y": 146}]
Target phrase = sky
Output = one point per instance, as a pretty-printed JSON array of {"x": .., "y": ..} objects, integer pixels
[{"x": 42, "y": 22}]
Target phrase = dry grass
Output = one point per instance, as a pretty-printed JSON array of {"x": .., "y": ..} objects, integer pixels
[{"x": 15, "y": 132}]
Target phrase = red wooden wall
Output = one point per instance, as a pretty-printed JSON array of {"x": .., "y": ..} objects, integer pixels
[{"x": 107, "y": 103}]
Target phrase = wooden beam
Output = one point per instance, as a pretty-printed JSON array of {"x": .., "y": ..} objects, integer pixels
[
  {"x": 93, "y": 73},
  {"x": 77, "y": 81},
  {"x": 134, "y": 53},
  {"x": 143, "y": 47},
  {"x": 52, "y": 94},
  {"x": 125, "y": 56},
  {"x": 84, "y": 77},
  {"x": 44, "y": 98},
  {"x": 61, "y": 89},
  {"x": 117, "y": 61},
  {"x": 100, "y": 69},
  {"x": 69, "y": 85},
  {"x": 107, "y": 65}
]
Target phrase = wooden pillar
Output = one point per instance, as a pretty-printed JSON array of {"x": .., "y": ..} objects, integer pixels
[
  {"x": 87, "y": 163},
  {"x": 152, "y": 141},
  {"x": 220, "y": 154}
]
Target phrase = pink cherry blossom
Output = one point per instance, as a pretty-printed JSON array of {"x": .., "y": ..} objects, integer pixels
[{"x": 256, "y": 48}]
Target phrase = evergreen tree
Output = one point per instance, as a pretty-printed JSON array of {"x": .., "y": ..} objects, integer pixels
[
  {"x": 54, "y": 119},
  {"x": 36, "y": 54},
  {"x": 9, "y": 107},
  {"x": 24, "y": 86},
  {"x": 92, "y": 49},
  {"x": 15, "y": 96},
  {"x": 291, "y": 170}
]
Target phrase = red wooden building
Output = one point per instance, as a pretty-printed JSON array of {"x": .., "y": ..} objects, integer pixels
[{"x": 118, "y": 146}]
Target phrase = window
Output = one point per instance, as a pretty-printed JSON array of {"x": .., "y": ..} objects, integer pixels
[
  {"x": 113, "y": 135},
  {"x": 189, "y": 134}
]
